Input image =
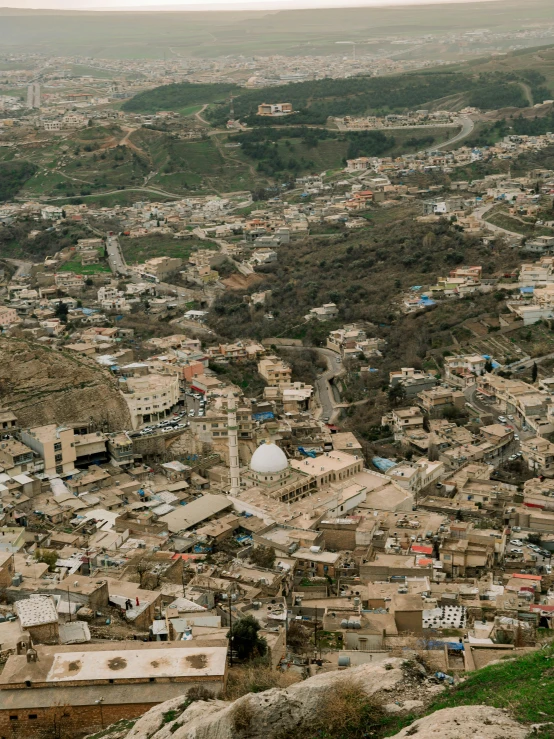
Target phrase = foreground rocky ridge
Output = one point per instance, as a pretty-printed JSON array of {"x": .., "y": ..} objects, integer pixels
[
  {"x": 294, "y": 711},
  {"x": 40, "y": 384}
]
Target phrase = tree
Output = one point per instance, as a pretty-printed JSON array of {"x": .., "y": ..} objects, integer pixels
[
  {"x": 48, "y": 556},
  {"x": 534, "y": 372},
  {"x": 263, "y": 556},
  {"x": 488, "y": 366},
  {"x": 298, "y": 638},
  {"x": 61, "y": 312},
  {"x": 245, "y": 640},
  {"x": 426, "y": 424},
  {"x": 396, "y": 394}
]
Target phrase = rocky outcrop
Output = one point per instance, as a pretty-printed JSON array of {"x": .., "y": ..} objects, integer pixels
[
  {"x": 42, "y": 385},
  {"x": 478, "y": 722},
  {"x": 296, "y": 710},
  {"x": 273, "y": 713}
]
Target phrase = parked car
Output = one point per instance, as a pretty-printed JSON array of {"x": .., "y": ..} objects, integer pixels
[{"x": 502, "y": 419}]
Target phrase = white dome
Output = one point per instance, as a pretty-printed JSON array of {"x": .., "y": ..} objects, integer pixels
[{"x": 268, "y": 459}]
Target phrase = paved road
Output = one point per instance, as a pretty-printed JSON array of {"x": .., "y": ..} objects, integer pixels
[
  {"x": 116, "y": 259},
  {"x": 480, "y": 212},
  {"x": 327, "y": 400},
  {"x": 467, "y": 127}
]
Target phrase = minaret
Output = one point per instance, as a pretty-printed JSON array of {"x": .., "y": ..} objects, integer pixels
[{"x": 232, "y": 434}]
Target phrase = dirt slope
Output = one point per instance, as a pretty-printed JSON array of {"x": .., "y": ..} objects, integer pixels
[{"x": 42, "y": 385}]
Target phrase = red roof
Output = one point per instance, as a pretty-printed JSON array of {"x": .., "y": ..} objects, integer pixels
[
  {"x": 422, "y": 549},
  {"x": 527, "y": 577},
  {"x": 424, "y": 561},
  {"x": 536, "y": 607}
]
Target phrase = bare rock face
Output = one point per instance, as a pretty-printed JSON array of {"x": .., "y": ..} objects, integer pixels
[
  {"x": 261, "y": 715},
  {"x": 42, "y": 385},
  {"x": 477, "y": 722}
]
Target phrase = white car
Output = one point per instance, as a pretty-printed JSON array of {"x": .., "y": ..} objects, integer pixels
[
  {"x": 191, "y": 413},
  {"x": 502, "y": 419},
  {"x": 517, "y": 551},
  {"x": 510, "y": 418},
  {"x": 516, "y": 542},
  {"x": 516, "y": 437}
]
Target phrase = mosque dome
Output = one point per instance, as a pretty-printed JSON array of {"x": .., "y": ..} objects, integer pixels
[{"x": 268, "y": 459}]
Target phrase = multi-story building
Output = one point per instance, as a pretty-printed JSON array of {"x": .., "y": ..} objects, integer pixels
[
  {"x": 463, "y": 370},
  {"x": 274, "y": 371},
  {"x": 55, "y": 445},
  {"x": 120, "y": 447},
  {"x": 413, "y": 381},
  {"x": 15, "y": 457},
  {"x": 69, "y": 281},
  {"x": 438, "y": 398},
  {"x": 150, "y": 397},
  {"x": 275, "y": 109},
  {"x": 538, "y": 453},
  {"x": 8, "y": 316}
]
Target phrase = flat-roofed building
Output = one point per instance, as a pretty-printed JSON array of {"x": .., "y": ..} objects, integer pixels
[
  {"x": 95, "y": 685},
  {"x": 55, "y": 445}
]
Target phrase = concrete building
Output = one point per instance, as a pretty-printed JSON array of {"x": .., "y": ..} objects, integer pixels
[
  {"x": 33, "y": 95},
  {"x": 274, "y": 371},
  {"x": 150, "y": 397},
  {"x": 15, "y": 457},
  {"x": 39, "y": 618},
  {"x": 55, "y": 445},
  {"x": 538, "y": 454},
  {"x": 95, "y": 685},
  {"x": 275, "y": 109}
]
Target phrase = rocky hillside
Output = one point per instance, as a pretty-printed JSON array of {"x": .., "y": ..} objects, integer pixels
[
  {"x": 370, "y": 700},
  {"x": 40, "y": 384}
]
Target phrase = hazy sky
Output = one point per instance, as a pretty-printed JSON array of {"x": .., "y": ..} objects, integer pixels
[{"x": 215, "y": 4}]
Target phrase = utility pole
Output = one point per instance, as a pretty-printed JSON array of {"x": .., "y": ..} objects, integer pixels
[
  {"x": 230, "y": 633},
  {"x": 69, "y": 603}
]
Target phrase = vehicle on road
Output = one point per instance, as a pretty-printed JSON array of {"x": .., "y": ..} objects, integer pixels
[
  {"x": 516, "y": 542},
  {"x": 502, "y": 419}
]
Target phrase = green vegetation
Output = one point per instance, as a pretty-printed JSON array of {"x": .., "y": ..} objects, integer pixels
[
  {"x": 147, "y": 247},
  {"x": 245, "y": 640},
  {"x": 17, "y": 242},
  {"x": 490, "y": 134},
  {"x": 75, "y": 266},
  {"x": 13, "y": 175},
  {"x": 176, "y": 97},
  {"x": 524, "y": 686},
  {"x": 315, "y": 101},
  {"x": 47, "y": 556}
]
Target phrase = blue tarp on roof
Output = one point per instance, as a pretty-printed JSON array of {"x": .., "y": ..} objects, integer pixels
[
  {"x": 527, "y": 290},
  {"x": 383, "y": 464},
  {"x": 425, "y": 301}
]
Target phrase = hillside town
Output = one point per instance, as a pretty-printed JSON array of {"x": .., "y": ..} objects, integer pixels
[
  {"x": 251, "y": 472},
  {"x": 200, "y": 506}
]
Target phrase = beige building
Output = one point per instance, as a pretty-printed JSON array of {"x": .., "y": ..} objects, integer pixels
[
  {"x": 150, "y": 397},
  {"x": 538, "y": 454},
  {"x": 55, "y": 445},
  {"x": 8, "y": 316},
  {"x": 274, "y": 371},
  {"x": 15, "y": 457}
]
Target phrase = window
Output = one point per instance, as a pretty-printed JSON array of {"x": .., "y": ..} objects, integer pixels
[
  {"x": 13, "y": 718},
  {"x": 58, "y": 446},
  {"x": 59, "y": 469},
  {"x": 33, "y": 716},
  {"x": 58, "y": 457}
]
